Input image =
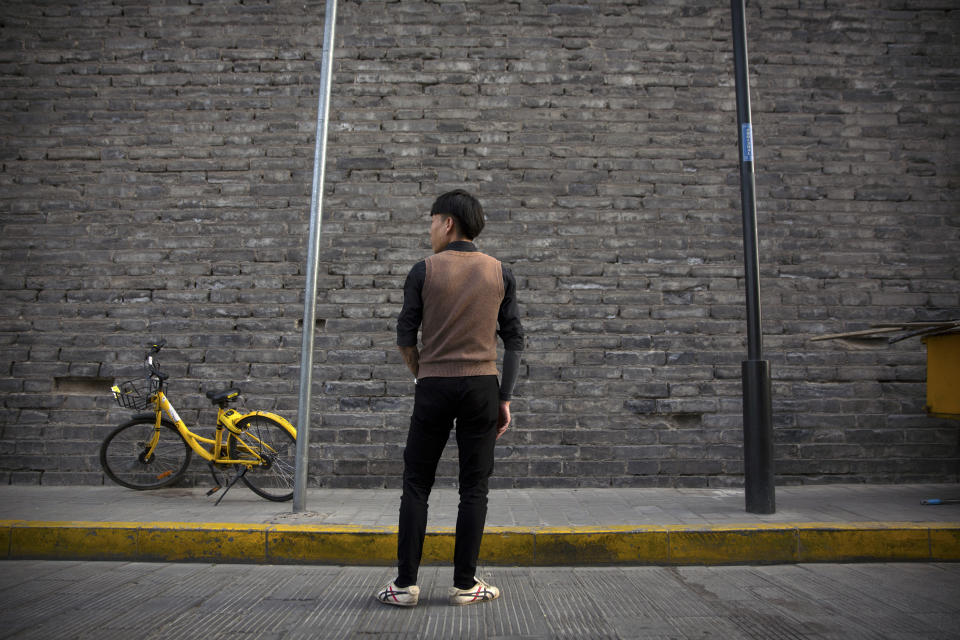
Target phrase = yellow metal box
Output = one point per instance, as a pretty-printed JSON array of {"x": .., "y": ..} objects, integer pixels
[{"x": 943, "y": 375}]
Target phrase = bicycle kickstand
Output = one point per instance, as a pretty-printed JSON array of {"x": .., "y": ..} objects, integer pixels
[
  {"x": 233, "y": 481},
  {"x": 216, "y": 480}
]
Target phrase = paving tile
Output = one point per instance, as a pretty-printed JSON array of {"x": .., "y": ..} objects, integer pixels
[{"x": 82, "y": 599}]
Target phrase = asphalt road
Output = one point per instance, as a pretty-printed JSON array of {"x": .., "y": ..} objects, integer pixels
[{"x": 53, "y": 600}]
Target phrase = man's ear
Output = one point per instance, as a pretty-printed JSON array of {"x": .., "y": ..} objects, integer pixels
[{"x": 449, "y": 224}]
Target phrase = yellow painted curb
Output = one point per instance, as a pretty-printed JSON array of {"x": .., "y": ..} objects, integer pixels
[
  {"x": 184, "y": 542},
  {"x": 6, "y": 535},
  {"x": 945, "y": 543},
  {"x": 767, "y": 544},
  {"x": 503, "y": 545},
  {"x": 73, "y": 540},
  {"x": 601, "y": 545},
  {"x": 865, "y": 541},
  {"x": 775, "y": 543},
  {"x": 330, "y": 544}
]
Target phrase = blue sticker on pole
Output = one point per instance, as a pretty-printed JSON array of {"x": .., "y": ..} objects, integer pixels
[{"x": 746, "y": 140}]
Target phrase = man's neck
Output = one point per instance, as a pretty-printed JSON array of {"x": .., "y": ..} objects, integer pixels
[{"x": 458, "y": 240}]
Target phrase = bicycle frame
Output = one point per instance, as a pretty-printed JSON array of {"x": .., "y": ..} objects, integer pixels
[{"x": 226, "y": 419}]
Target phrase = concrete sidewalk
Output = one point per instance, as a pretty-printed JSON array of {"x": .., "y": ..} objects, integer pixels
[
  {"x": 529, "y": 527},
  {"x": 165, "y": 601}
]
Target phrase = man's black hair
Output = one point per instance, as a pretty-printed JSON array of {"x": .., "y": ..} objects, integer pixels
[{"x": 465, "y": 210}]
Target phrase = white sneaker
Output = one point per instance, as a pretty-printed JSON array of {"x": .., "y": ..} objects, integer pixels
[
  {"x": 480, "y": 592},
  {"x": 405, "y": 597}
]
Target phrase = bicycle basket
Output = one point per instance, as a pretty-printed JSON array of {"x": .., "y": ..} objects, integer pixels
[{"x": 136, "y": 394}]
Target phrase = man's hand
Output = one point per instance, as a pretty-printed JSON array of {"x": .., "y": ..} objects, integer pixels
[
  {"x": 411, "y": 357},
  {"x": 503, "y": 420}
]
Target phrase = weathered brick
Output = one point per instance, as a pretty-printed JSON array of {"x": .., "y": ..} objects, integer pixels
[{"x": 604, "y": 156}]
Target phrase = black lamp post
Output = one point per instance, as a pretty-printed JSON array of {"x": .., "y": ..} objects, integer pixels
[{"x": 757, "y": 411}]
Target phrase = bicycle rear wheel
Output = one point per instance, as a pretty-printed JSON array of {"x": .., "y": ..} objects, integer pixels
[
  {"x": 123, "y": 454},
  {"x": 273, "y": 448}
]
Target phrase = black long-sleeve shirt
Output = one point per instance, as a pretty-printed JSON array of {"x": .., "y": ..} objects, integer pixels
[{"x": 411, "y": 315}]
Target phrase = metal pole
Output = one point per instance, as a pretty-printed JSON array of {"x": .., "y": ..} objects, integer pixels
[
  {"x": 757, "y": 410},
  {"x": 313, "y": 264}
]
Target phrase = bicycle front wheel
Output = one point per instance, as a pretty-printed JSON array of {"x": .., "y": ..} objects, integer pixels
[
  {"x": 272, "y": 451},
  {"x": 127, "y": 459}
]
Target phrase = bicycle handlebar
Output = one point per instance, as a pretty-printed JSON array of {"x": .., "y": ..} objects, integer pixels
[{"x": 153, "y": 368}]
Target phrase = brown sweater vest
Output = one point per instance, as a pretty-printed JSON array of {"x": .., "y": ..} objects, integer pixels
[{"x": 461, "y": 295}]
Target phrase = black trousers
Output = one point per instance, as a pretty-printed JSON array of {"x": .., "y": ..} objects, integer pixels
[{"x": 473, "y": 402}]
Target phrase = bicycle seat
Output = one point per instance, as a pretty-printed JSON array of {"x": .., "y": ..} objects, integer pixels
[{"x": 221, "y": 397}]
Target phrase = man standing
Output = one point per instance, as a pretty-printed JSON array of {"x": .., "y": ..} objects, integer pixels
[{"x": 460, "y": 297}]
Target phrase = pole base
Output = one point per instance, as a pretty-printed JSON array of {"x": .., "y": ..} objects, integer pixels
[{"x": 758, "y": 438}]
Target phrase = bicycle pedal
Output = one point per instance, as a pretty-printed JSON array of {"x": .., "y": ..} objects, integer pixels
[{"x": 213, "y": 491}]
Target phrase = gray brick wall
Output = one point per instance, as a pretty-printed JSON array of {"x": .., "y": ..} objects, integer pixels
[{"x": 156, "y": 169}]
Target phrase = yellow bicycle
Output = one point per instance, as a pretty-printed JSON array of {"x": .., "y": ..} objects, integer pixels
[{"x": 153, "y": 450}]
